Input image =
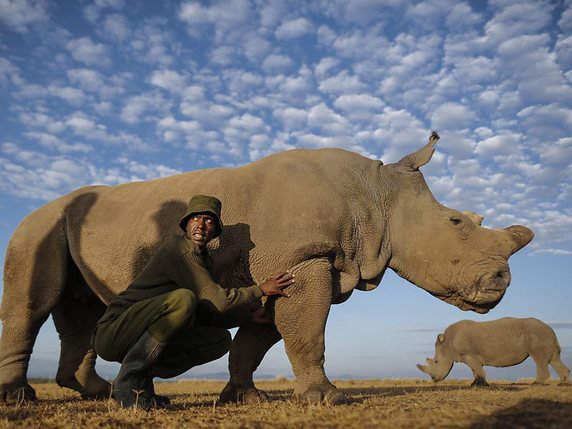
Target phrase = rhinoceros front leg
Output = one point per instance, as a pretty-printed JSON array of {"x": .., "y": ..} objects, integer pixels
[
  {"x": 301, "y": 320},
  {"x": 249, "y": 346},
  {"x": 478, "y": 371},
  {"x": 75, "y": 317}
]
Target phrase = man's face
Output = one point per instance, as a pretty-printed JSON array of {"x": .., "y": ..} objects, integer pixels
[{"x": 201, "y": 228}]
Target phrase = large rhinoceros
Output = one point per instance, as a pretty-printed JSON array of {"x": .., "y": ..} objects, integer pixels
[
  {"x": 500, "y": 343},
  {"x": 336, "y": 219}
]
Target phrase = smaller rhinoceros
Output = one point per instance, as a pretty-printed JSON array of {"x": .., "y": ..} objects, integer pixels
[{"x": 500, "y": 343}]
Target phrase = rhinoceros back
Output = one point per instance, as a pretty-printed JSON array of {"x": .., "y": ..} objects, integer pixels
[{"x": 299, "y": 199}]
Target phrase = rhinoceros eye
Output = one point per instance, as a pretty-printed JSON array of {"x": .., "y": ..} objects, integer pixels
[{"x": 454, "y": 220}]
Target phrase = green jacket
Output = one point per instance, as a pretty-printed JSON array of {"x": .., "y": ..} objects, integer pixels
[{"x": 179, "y": 263}]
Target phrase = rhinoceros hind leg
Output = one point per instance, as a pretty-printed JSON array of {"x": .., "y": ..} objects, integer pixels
[
  {"x": 479, "y": 382},
  {"x": 561, "y": 369},
  {"x": 18, "y": 336},
  {"x": 75, "y": 317},
  {"x": 248, "y": 348},
  {"x": 242, "y": 395},
  {"x": 301, "y": 320}
]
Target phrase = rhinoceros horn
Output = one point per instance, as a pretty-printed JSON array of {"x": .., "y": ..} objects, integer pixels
[
  {"x": 521, "y": 236},
  {"x": 422, "y": 156}
]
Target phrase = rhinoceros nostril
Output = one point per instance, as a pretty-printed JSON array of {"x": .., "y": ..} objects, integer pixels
[{"x": 501, "y": 279}]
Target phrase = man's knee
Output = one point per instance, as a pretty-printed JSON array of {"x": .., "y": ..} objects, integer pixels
[
  {"x": 183, "y": 299},
  {"x": 182, "y": 304}
]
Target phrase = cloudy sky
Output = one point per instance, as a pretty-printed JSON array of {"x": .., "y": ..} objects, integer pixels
[{"x": 111, "y": 91}]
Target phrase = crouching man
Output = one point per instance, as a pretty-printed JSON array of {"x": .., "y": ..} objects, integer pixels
[{"x": 150, "y": 328}]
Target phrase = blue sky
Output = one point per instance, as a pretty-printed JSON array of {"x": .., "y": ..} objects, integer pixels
[{"x": 110, "y": 91}]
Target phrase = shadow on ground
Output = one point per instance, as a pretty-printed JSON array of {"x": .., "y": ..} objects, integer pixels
[{"x": 529, "y": 413}]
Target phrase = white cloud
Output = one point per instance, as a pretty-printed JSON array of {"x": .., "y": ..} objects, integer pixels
[
  {"x": 73, "y": 96},
  {"x": 565, "y": 22},
  {"x": 517, "y": 18},
  {"x": 557, "y": 153},
  {"x": 547, "y": 121},
  {"x": 328, "y": 122},
  {"x": 502, "y": 144},
  {"x": 563, "y": 50},
  {"x": 92, "y": 11},
  {"x": 325, "y": 65},
  {"x": 88, "y": 80},
  {"x": 352, "y": 102},
  {"x": 293, "y": 29},
  {"x": 292, "y": 118},
  {"x": 206, "y": 112},
  {"x": 229, "y": 18},
  {"x": 452, "y": 116},
  {"x": 19, "y": 15},
  {"x": 399, "y": 132},
  {"x": 360, "y": 11},
  {"x": 277, "y": 63},
  {"x": 117, "y": 27},
  {"x": 362, "y": 44},
  {"x": 154, "y": 43},
  {"x": 255, "y": 47},
  {"x": 86, "y": 51},
  {"x": 169, "y": 80},
  {"x": 342, "y": 83},
  {"x": 461, "y": 18},
  {"x": 138, "y": 108},
  {"x": 8, "y": 72}
]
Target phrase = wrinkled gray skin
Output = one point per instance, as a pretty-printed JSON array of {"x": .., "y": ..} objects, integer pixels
[
  {"x": 336, "y": 219},
  {"x": 500, "y": 343}
]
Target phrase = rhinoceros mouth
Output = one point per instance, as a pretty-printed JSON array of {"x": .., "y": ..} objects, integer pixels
[{"x": 489, "y": 291}]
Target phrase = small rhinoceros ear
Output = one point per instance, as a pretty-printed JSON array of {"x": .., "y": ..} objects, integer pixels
[
  {"x": 421, "y": 157},
  {"x": 441, "y": 338}
]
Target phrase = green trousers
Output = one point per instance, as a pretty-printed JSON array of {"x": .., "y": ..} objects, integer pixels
[{"x": 170, "y": 319}]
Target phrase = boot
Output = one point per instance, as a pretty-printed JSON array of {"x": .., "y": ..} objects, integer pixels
[{"x": 131, "y": 386}]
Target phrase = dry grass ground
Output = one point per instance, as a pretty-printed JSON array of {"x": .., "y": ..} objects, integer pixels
[{"x": 374, "y": 404}]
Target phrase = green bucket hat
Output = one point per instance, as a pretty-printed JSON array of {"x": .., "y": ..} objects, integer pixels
[{"x": 202, "y": 204}]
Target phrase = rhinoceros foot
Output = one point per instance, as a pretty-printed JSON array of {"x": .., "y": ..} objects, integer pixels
[
  {"x": 13, "y": 394},
  {"x": 103, "y": 393},
  {"x": 242, "y": 395},
  {"x": 329, "y": 395},
  {"x": 480, "y": 382},
  {"x": 91, "y": 386}
]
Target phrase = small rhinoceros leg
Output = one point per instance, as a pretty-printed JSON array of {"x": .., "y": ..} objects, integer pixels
[
  {"x": 249, "y": 346},
  {"x": 75, "y": 317},
  {"x": 478, "y": 372},
  {"x": 301, "y": 320},
  {"x": 542, "y": 372},
  {"x": 561, "y": 369}
]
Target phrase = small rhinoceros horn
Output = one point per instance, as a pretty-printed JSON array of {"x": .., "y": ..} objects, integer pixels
[{"x": 475, "y": 217}]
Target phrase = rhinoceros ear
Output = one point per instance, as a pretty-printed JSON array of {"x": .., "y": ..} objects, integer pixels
[
  {"x": 421, "y": 157},
  {"x": 441, "y": 338}
]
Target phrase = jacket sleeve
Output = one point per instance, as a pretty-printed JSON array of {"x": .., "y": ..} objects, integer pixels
[{"x": 190, "y": 272}]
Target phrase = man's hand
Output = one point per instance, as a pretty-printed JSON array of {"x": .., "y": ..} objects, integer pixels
[{"x": 274, "y": 285}]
